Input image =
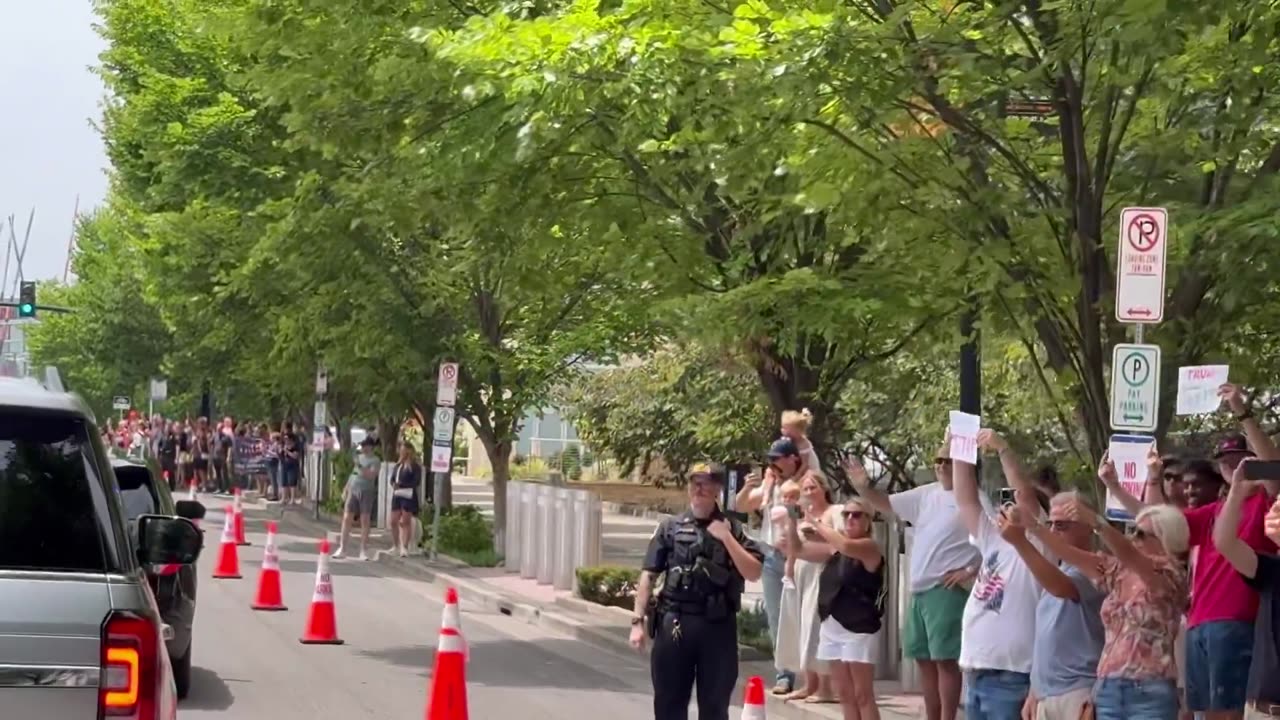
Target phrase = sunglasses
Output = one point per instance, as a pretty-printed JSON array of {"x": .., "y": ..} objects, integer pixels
[
  {"x": 853, "y": 514},
  {"x": 946, "y": 462},
  {"x": 1060, "y": 525},
  {"x": 1139, "y": 534},
  {"x": 1173, "y": 476}
]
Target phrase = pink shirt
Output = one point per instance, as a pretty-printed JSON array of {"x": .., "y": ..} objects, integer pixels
[{"x": 1217, "y": 590}]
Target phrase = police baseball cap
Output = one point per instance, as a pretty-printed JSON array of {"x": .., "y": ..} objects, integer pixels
[
  {"x": 783, "y": 447},
  {"x": 708, "y": 472},
  {"x": 1229, "y": 444}
]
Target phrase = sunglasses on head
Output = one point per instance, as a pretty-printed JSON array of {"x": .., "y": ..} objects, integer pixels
[
  {"x": 853, "y": 514},
  {"x": 1138, "y": 533}
]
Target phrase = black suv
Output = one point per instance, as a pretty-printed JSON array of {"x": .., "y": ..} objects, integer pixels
[{"x": 173, "y": 585}]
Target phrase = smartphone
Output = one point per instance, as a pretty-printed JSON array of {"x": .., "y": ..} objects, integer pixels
[
  {"x": 1007, "y": 497},
  {"x": 1262, "y": 470},
  {"x": 795, "y": 511}
]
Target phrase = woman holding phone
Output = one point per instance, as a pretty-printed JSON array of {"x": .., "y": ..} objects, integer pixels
[{"x": 798, "y": 617}]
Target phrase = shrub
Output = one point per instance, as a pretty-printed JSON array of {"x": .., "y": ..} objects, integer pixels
[
  {"x": 483, "y": 558},
  {"x": 463, "y": 529},
  {"x": 571, "y": 463},
  {"x": 612, "y": 585},
  {"x": 753, "y": 629},
  {"x": 532, "y": 469}
]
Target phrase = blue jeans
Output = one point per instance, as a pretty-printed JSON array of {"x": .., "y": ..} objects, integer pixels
[
  {"x": 1116, "y": 698},
  {"x": 995, "y": 694},
  {"x": 1219, "y": 654},
  {"x": 775, "y": 566}
]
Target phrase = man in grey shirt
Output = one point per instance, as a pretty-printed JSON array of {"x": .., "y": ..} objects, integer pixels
[
  {"x": 1069, "y": 632},
  {"x": 358, "y": 497}
]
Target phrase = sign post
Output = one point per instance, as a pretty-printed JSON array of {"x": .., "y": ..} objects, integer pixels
[
  {"x": 442, "y": 443},
  {"x": 1140, "y": 266},
  {"x": 121, "y": 403},
  {"x": 1135, "y": 387},
  {"x": 1135, "y": 368},
  {"x": 319, "y": 421},
  {"x": 159, "y": 393}
]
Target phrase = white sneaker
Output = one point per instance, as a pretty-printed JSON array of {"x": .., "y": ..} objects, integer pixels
[
  {"x": 404, "y": 553},
  {"x": 364, "y": 555},
  {"x": 338, "y": 554}
]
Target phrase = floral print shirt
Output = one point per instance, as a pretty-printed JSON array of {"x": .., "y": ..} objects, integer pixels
[{"x": 1141, "y": 622}]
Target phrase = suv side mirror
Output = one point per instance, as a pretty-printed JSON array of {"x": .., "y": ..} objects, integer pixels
[
  {"x": 168, "y": 540},
  {"x": 190, "y": 509}
]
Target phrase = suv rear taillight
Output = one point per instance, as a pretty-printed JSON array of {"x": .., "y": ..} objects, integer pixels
[{"x": 130, "y": 681}]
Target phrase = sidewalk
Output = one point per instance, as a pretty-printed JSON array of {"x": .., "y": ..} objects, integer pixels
[{"x": 496, "y": 590}]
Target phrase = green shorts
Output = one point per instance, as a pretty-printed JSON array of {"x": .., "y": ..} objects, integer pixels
[{"x": 933, "y": 624}]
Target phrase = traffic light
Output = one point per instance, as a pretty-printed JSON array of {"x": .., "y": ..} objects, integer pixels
[{"x": 27, "y": 299}]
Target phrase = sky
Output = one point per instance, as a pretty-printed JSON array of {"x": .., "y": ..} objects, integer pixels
[{"x": 49, "y": 150}]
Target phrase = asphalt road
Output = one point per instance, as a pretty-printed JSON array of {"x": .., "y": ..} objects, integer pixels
[{"x": 250, "y": 665}]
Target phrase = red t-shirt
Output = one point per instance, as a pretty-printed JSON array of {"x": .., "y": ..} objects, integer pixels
[{"x": 1217, "y": 590}]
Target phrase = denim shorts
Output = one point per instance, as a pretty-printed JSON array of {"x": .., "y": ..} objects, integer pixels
[
  {"x": 995, "y": 694},
  {"x": 1219, "y": 654},
  {"x": 1117, "y": 698}
]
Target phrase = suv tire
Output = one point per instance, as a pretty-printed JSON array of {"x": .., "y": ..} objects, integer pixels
[{"x": 182, "y": 673}]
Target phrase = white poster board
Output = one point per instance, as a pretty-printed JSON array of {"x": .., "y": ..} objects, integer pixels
[
  {"x": 964, "y": 436},
  {"x": 1198, "y": 388},
  {"x": 1129, "y": 454}
]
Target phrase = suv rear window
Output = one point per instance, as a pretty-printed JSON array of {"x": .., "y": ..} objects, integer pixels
[
  {"x": 47, "y": 515},
  {"x": 135, "y": 490}
]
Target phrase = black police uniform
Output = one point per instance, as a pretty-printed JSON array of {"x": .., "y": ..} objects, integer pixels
[{"x": 694, "y": 620}]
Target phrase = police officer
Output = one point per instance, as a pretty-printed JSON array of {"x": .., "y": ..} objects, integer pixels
[{"x": 707, "y": 559}]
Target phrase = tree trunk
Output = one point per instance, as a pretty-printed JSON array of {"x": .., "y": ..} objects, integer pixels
[{"x": 499, "y": 453}]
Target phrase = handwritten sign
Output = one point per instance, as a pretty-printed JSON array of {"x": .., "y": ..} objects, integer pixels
[
  {"x": 1129, "y": 454},
  {"x": 1198, "y": 388},
  {"x": 964, "y": 437}
]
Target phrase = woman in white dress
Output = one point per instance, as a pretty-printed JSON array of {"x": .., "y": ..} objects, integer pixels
[{"x": 798, "y": 617}]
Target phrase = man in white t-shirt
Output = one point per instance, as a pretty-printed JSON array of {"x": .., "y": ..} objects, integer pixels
[
  {"x": 1000, "y": 615},
  {"x": 943, "y": 563}
]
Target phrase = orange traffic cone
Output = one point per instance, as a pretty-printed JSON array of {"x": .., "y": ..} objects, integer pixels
[
  {"x": 269, "y": 595},
  {"x": 229, "y": 557},
  {"x": 322, "y": 620},
  {"x": 451, "y": 618},
  {"x": 448, "y": 699},
  {"x": 753, "y": 702},
  {"x": 240, "y": 539}
]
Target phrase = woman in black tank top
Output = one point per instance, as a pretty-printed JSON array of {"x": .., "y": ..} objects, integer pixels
[{"x": 850, "y": 602}]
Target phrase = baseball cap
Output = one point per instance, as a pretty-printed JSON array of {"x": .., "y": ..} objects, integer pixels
[
  {"x": 1234, "y": 443},
  {"x": 708, "y": 471},
  {"x": 783, "y": 447}
]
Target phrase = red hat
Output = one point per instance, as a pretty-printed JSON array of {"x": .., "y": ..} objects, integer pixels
[{"x": 1234, "y": 443}]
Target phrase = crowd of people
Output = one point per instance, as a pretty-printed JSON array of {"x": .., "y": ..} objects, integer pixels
[
  {"x": 1033, "y": 606},
  {"x": 217, "y": 458}
]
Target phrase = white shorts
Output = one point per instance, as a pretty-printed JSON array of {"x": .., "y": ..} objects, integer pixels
[{"x": 836, "y": 644}]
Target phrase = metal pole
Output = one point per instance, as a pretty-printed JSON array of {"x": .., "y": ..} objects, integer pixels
[
  {"x": 435, "y": 515},
  {"x": 1139, "y": 333},
  {"x": 970, "y": 361}
]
